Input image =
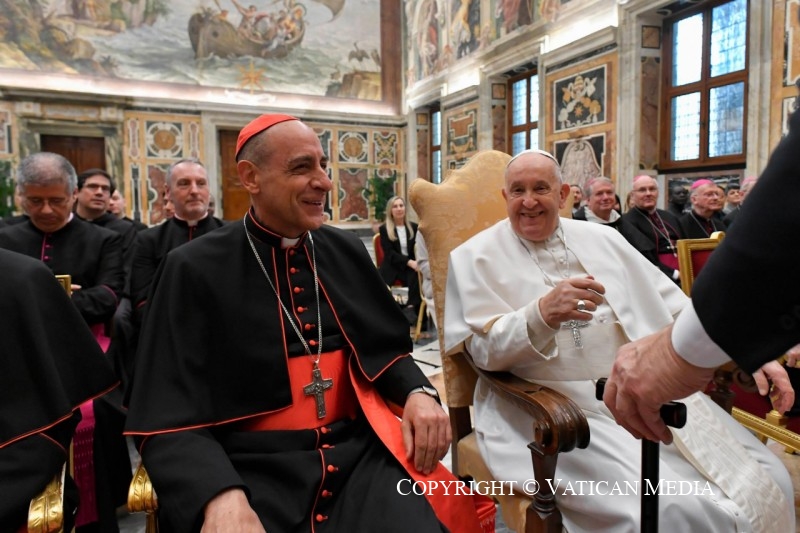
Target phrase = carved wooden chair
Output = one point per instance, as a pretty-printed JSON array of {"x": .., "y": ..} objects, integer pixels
[
  {"x": 733, "y": 389},
  {"x": 467, "y": 202}
]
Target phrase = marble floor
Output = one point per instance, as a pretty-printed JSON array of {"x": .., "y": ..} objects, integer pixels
[{"x": 426, "y": 354}]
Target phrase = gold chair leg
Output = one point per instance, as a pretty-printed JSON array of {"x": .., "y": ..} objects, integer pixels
[
  {"x": 420, "y": 317},
  {"x": 151, "y": 525},
  {"x": 46, "y": 511}
]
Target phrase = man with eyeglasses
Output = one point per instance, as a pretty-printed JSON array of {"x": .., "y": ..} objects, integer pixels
[
  {"x": 661, "y": 228},
  {"x": 704, "y": 218},
  {"x": 92, "y": 256},
  {"x": 95, "y": 187}
]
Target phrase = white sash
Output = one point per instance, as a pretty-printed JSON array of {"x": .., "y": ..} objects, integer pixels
[{"x": 705, "y": 441}]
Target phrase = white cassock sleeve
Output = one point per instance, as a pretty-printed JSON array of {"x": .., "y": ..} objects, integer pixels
[{"x": 693, "y": 344}]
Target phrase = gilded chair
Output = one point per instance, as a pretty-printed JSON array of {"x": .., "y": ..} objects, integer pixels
[
  {"x": 142, "y": 499},
  {"x": 423, "y": 310},
  {"x": 733, "y": 389},
  {"x": 46, "y": 510},
  {"x": 376, "y": 245},
  {"x": 692, "y": 256},
  {"x": 468, "y": 201}
]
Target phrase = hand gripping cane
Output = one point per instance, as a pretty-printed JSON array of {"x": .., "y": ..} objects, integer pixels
[{"x": 673, "y": 414}]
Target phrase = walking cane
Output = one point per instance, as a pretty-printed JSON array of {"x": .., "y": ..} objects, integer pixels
[{"x": 673, "y": 414}]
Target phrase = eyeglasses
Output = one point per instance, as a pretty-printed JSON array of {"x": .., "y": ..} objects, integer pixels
[
  {"x": 52, "y": 202},
  {"x": 97, "y": 186}
]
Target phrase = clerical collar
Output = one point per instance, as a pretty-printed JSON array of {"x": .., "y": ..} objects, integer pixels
[
  {"x": 701, "y": 217},
  {"x": 268, "y": 236},
  {"x": 592, "y": 217},
  {"x": 87, "y": 219},
  {"x": 190, "y": 223}
]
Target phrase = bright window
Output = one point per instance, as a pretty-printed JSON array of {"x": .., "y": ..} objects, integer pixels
[{"x": 705, "y": 103}]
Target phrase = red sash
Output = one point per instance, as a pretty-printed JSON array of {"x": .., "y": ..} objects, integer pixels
[
  {"x": 669, "y": 259},
  {"x": 459, "y": 512},
  {"x": 340, "y": 400}
]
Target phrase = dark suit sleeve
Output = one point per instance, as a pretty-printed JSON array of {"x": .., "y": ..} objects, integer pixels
[
  {"x": 745, "y": 296},
  {"x": 128, "y": 240},
  {"x": 143, "y": 268},
  {"x": 98, "y": 302},
  {"x": 189, "y": 468},
  {"x": 637, "y": 236},
  {"x": 399, "y": 379},
  {"x": 391, "y": 251},
  {"x": 26, "y": 466}
]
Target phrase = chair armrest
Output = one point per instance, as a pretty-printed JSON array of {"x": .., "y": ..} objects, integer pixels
[
  {"x": 559, "y": 424},
  {"x": 46, "y": 511},
  {"x": 141, "y": 494}
]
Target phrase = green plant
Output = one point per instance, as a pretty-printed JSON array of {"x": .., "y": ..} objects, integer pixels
[
  {"x": 380, "y": 190},
  {"x": 6, "y": 189}
]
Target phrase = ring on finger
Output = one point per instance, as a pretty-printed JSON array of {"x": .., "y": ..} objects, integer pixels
[{"x": 581, "y": 305}]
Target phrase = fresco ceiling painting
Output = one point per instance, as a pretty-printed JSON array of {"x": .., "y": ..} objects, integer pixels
[{"x": 314, "y": 47}]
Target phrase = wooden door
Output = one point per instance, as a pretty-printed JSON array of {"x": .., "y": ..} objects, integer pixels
[
  {"x": 235, "y": 199},
  {"x": 83, "y": 152}
]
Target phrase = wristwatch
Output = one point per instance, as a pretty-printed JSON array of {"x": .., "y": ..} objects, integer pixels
[{"x": 426, "y": 389}]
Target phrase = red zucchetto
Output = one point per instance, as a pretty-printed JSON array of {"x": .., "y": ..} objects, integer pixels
[
  {"x": 700, "y": 183},
  {"x": 264, "y": 122}
]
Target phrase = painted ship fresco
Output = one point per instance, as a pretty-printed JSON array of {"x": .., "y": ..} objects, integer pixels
[{"x": 264, "y": 34}]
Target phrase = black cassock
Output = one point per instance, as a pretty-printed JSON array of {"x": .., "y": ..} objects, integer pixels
[
  {"x": 214, "y": 349},
  {"x": 152, "y": 246},
  {"x": 90, "y": 254},
  {"x": 746, "y": 296},
  {"x": 49, "y": 364}
]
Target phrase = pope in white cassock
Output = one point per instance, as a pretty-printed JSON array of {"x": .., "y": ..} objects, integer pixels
[{"x": 551, "y": 300}]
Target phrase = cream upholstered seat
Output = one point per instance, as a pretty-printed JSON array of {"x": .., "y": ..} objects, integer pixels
[{"x": 468, "y": 201}]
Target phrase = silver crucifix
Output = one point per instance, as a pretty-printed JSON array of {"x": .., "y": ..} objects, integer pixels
[
  {"x": 575, "y": 326},
  {"x": 317, "y": 389}
]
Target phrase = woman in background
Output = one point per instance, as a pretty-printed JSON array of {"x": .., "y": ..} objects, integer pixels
[{"x": 397, "y": 239}]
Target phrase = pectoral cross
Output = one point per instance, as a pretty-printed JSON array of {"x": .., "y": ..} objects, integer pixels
[
  {"x": 575, "y": 326},
  {"x": 317, "y": 389}
]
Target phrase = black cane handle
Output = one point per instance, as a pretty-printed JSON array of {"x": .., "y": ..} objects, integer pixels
[{"x": 673, "y": 413}]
